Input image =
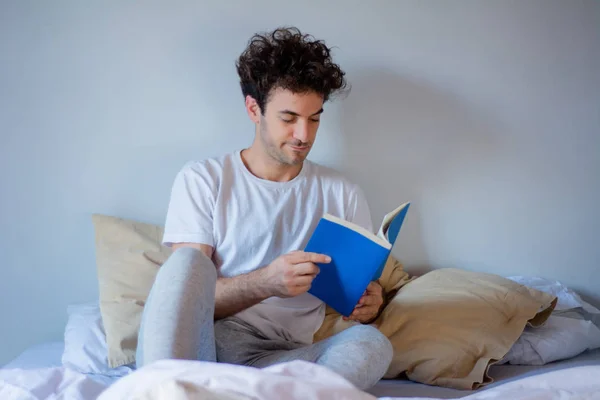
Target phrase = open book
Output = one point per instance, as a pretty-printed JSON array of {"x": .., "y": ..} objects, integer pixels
[{"x": 357, "y": 257}]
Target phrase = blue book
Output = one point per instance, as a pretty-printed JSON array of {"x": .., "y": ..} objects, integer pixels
[{"x": 358, "y": 257}]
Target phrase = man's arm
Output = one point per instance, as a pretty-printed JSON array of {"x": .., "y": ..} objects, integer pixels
[
  {"x": 287, "y": 276},
  {"x": 238, "y": 293}
]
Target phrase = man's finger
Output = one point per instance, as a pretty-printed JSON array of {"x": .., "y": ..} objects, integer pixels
[
  {"x": 368, "y": 301},
  {"x": 302, "y": 289},
  {"x": 364, "y": 312},
  {"x": 303, "y": 257},
  {"x": 361, "y": 301},
  {"x": 304, "y": 280},
  {"x": 306, "y": 268},
  {"x": 374, "y": 287}
]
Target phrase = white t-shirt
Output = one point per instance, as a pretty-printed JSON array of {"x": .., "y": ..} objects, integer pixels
[{"x": 250, "y": 221}]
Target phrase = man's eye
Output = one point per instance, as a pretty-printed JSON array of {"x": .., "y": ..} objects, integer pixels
[
  {"x": 314, "y": 120},
  {"x": 287, "y": 121}
]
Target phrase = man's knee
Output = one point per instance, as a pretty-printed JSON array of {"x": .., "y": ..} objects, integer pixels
[
  {"x": 191, "y": 264},
  {"x": 361, "y": 354},
  {"x": 372, "y": 336},
  {"x": 373, "y": 345}
]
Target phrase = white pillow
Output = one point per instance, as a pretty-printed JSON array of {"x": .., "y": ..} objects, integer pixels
[
  {"x": 558, "y": 339},
  {"x": 85, "y": 342},
  {"x": 568, "y": 332},
  {"x": 568, "y": 299}
]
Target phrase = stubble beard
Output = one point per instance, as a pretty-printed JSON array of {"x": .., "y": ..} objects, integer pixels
[{"x": 275, "y": 151}]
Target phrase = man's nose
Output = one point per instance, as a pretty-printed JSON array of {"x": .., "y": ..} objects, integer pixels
[{"x": 301, "y": 131}]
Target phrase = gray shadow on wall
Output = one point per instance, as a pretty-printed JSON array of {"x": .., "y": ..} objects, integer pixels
[{"x": 402, "y": 139}]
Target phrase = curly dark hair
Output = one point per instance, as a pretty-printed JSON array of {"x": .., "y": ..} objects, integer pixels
[{"x": 288, "y": 59}]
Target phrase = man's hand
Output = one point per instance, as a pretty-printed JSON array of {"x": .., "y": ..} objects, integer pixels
[
  {"x": 291, "y": 274},
  {"x": 369, "y": 305}
]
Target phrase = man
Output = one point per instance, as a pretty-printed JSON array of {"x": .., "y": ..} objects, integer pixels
[{"x": 235, "y": 288}]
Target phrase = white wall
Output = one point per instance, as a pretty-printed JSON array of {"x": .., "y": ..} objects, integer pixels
[{"x": 485, "y": 114}]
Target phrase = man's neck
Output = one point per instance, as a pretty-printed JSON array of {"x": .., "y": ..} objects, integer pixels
[{"x": 262, "y": 166}]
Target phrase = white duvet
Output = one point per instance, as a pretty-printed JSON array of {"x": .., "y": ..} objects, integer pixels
[{"x": 178, "y": 380}]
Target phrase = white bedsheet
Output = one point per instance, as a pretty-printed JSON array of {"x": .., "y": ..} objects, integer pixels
[{"x": 579, "y": 383}]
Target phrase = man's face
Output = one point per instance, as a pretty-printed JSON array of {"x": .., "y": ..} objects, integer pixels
[{"x": 289, "y": 127}]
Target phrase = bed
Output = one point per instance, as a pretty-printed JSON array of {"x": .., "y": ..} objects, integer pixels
[
  {"x": 38, "y": 373},
  {"x": 553, "y": 361}
]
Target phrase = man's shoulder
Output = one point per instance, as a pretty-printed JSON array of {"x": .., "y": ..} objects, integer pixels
[
  {"x": 209, "y": 167},
  {"x": 333, "y": 177}
]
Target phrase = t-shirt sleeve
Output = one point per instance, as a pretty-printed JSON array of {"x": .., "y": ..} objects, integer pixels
[
  {"x": 358, "y": 209},
  {"x": 191, "y": 205}
]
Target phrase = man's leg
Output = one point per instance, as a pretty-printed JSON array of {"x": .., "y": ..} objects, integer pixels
[
  {"x": 178, "y": 318},
  {"x": 361, "y": 353}
]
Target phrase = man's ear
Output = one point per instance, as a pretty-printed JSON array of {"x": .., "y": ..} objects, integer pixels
[{"x": 253, "y": 109}]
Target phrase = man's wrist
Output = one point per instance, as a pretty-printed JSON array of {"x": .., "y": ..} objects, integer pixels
[{"x": 258, "y": 280}]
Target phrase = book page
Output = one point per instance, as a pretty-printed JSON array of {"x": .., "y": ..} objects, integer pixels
[
  {"x": 359, "y": 229},
  {"x": 387, "y": 221}
]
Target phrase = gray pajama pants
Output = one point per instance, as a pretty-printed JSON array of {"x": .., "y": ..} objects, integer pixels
[{"x": 178, "y": 323}]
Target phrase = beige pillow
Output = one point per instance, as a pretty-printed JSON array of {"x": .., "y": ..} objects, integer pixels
[
  {"x": 128, "y": 256},
  {"x": 449, "y": 325}
]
